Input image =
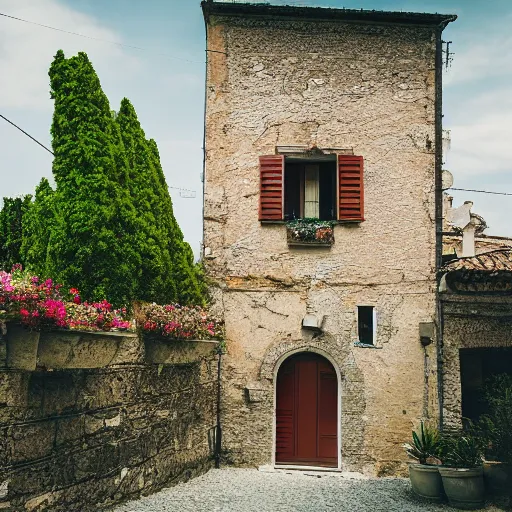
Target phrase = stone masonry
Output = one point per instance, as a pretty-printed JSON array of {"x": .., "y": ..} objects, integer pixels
[
  {"x": 80, "y": 440},
  {"x": 327, "y": 79}
]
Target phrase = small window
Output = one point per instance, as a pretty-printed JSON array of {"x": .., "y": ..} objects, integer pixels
[{"x": 366, "y": 324}]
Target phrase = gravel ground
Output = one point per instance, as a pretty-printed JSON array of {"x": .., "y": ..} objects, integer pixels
[{"x": 249, "y": 490}]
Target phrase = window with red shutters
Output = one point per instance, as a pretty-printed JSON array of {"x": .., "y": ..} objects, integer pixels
[
  {"x": 329, "y": 187},
  {"x": 351, "y": 188},
  {"x": 271, "y": 187}
]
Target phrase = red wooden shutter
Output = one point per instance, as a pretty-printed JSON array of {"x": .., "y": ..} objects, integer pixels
[
  {"x": 271, "y": 187},
  {"x": 351, "y": 187}
]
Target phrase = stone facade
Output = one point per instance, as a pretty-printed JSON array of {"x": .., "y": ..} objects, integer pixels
[
  {"x": 82, "y": 440},
  {"x": 368, "y": 88},
  {"x": 470, "y": 322}
]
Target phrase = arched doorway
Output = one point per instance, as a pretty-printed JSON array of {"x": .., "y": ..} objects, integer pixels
[{"x": 307, "y": 411}]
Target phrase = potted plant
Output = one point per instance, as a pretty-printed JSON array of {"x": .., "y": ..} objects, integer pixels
[
  {"x": 310, "y": 232},
  {"x": 462, "y": 471},
  {"x": 425, "y": 478},
  {"x": 495, "y": 428}
]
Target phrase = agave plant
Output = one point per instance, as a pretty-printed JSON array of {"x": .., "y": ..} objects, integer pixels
[{"x": 425, "y": 445}]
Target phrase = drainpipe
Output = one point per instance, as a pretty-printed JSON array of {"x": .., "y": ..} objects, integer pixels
[
  {"x": 439, "y": 210},
  {"x": 218, "y": 429}
]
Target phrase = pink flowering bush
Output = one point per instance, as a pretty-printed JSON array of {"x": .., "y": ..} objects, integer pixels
[
  {"x": 179, "y": 322},
  {"x": 38, "y": 305},
  {"x": 35, "y": 304},
  {"x": 97, "y": 316}
]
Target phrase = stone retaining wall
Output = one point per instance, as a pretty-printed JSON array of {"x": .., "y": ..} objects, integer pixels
[{"x": 86, "y": 439}]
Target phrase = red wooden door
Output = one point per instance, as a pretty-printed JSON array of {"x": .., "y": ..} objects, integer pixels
[{"x": 307, "y": 412}]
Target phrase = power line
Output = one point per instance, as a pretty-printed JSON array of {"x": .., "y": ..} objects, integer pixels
[
  {"x": 27, "y": 134},
  {"x": 99, "y": 39},
  {"x": 191, "y": 193},
  {"x": 482, "y": 191}
]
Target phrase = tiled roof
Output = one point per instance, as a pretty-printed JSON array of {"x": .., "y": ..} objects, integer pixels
[{"x": 493, "y": 261}]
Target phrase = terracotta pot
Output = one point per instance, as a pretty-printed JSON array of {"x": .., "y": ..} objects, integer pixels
[
  {"x": 21, "y": 347},
  {"x": 426, "y": 481},
  {"x": 160, "y": 350},
  {"x": 464, "y": 487},
  {"x": 498, "y": 477}
]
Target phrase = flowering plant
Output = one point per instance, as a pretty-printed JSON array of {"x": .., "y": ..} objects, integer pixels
[
  {"x": 310, "y": 231},
  {"x": 179, "y": 322},
  {"x": 24, "y": 298},
  {"x": 38, "y": 304},
  {"x": 97, "y": 316}
]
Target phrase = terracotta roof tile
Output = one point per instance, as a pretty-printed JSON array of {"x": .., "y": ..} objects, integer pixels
[{"x": 493, "y": 261}]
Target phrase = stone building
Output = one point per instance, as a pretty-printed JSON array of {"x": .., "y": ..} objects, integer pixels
[
  {"x": 475, "y": 314},
  {"x": 335, "y": 115}
]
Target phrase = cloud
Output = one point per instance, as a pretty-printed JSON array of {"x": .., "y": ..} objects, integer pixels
[
  {"x": 480, "y": 135},
  {"x": 26, "y": 50}
]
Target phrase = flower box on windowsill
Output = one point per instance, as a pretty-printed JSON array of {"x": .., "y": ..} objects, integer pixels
[
  {"x": 162, "y": 350},
  {"x": 310, "y": 232}
]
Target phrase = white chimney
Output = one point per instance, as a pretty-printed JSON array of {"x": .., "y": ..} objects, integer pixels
[{"x": 468, "y": 240}]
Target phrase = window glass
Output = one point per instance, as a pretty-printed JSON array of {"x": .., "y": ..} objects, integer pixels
[{"x": 365, "y": 324}]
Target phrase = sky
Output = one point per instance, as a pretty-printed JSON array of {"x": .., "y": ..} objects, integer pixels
[{"x": 165, "y": 83}]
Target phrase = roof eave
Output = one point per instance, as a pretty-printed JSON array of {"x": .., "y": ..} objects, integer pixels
[{"x": 322, "y": 13}]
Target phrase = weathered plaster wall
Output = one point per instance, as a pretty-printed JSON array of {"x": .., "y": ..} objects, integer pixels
[
  {"x": 369, "y": 89},
  {"x": 469, "y": 322},
  {"x": 85, "y": 439}
]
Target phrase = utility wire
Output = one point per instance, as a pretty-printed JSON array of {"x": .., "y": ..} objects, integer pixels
[
  {"x": 482, "y": 191},
  {"x": 27, "y": 134},
  {"x": 99, "y": 39},
  {"x": 50, "y": 151}
]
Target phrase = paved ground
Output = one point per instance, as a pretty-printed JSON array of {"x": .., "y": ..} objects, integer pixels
[{"x": 249, "y": 490}]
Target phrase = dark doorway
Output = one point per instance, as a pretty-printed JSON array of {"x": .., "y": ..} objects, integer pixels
[
  {"x": 307, "y": 412},
  {"x": 477, "y": 365}
]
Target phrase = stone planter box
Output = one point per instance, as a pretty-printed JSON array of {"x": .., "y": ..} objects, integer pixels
[
  {"x": 321, "y": 237},
  {"x": 160, "y": 350},
  {"x": 79, "y": 349},
  {"x": 21, "y": 348}
]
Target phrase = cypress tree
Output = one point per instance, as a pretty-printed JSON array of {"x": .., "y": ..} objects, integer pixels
[
  {"x": 11, "y": 226},
  {"x": 93, "y": 238},
  {"x": 38, "y": 221},
  {"x": 156, "y": 282},
  {"x": 191, "y": 288}
]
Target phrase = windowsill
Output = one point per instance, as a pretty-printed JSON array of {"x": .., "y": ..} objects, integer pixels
[
  {"x": 365, "y": 345},
  {"x": 309, "y": 244}
]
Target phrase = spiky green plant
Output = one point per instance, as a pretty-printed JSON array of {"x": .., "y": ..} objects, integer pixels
[{"x": 425, "y": 444}]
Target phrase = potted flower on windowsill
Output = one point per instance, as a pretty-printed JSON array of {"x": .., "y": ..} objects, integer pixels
[
  {"x": 424, "y": 475},
  {"x": 462, "y": 470},
  {"x": 310, "y": 232}
]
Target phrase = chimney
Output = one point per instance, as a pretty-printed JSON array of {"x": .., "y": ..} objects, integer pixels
[{"x": 468, "y": 240}]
